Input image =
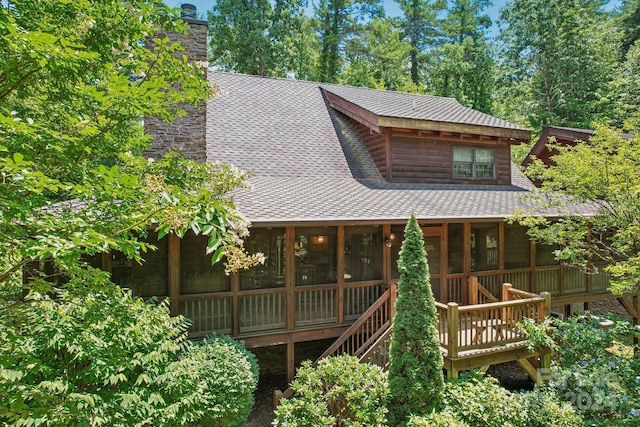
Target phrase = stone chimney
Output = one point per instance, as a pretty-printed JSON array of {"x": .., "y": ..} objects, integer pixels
[{"x": 186, "y": 133}]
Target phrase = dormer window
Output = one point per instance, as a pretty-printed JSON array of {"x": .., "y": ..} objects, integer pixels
[{"x": 474, "y": 163}]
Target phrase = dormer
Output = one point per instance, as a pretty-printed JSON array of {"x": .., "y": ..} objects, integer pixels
[{"x": 429, "y": 139}]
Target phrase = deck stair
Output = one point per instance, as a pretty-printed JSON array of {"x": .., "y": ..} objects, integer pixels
[{"x": 360, "y": 336}]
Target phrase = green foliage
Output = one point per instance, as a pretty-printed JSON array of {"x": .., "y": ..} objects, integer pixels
[
  {"x": 629, "y": 22},
  {"x": 559, "y": 59},
  {"x": 544, "y": 408},
  {"x": 225, "y": 374},
  {"x": 421, "y": 30},
  {"x": 338, "y": 392},
  {"x": 108, "y": 358},
  {"x": 378, "y": 58},
  {"x": 602, "y": 172},
  {"x": 538, "y": 335},
  {"x": 415, "y": 369},
  {"x": 464, "y": 68},
  {"x": 589, "y": 371},
  {"x": 436, "y": 419},
  {"x": 483, "y": 402},
  {"x": 336, "y": 21},
  {"x": 252, "y": 37},
  {"x": 75, "y": 85},
  {"x": 464, "y": 71}
]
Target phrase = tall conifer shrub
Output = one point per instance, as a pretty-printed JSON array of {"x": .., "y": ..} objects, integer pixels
[{"x": 415, "y": 371}]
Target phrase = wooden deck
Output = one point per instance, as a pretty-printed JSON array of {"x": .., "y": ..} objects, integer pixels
[
  {"x": 479, "y": 335},
  {"x": 471, "y": 336}
]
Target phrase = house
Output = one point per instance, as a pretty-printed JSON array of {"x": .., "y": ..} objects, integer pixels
[
  {"x": 561, "y": 136},
  {"x": 336, "y": 173}
]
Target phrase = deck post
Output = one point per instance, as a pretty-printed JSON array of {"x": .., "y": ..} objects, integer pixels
[
  {"x": 291, "y": 367},
  {"x": 547, "y": 305},
  {"x": 340, "y": 274},
  {"x": 472, "y": 290},
  {"x": 636, "y": 320},
  {"x": 506, "y": 288},
  {"x": 393, "y": 294},
  {"x": 452, "y": 329},
  {"x": 452, "y": 337},
  {"x": 545, "y": 357},
  {"x": 507, "y": 313}
]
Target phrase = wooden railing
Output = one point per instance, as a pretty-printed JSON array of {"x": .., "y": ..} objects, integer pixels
[
  {"x": 360, "y": 336},
  {"x": 208, "y": 313},
  {"x": 378, "y": 353},
  {"x": 481, "y": 326},
  {"x": 475, "y": 327},
  {"x": 478, "y": 294}
]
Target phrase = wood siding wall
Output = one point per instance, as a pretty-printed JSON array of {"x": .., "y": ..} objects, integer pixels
[
  {"x": 418, "y": 160},
  {"x": 376, "y": 146}
]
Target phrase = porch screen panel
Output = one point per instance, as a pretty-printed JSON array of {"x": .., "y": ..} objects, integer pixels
[
  {"x": 455, "y": 248},
  {"x": 397, "y": 237},
  {"x": 271, "y": 243},
  {"x": 315, "y": 252},
  {"x": 362, "y": 253},
  {"x": 484, "y": 246},
  {"x": 146, "y": 280},
  {"x": 516, "y": 246},
  {"x": 544, "y": 255},
  {"x": 197, "y": 275}
]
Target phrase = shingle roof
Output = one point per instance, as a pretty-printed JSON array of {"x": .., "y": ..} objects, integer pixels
[
  {"x": 413, "y": 106},
  {"x": 308, "y": 163}
]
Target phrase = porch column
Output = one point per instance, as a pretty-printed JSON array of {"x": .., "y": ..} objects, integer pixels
[
  {"x": 290, "y": 278},
  {"x": 340, "y": 274},
  {"x": 174, "y": 273}
]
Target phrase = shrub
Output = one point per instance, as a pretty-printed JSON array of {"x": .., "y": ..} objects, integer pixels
[
  {"x": 483, "y": 403},
  {"x": 544, "y": 408},
  {"x": 437, "y": 419},
  {"x": 226, "y": 373},
  {"x": 133, "y": 366},
  {"x": 415, "y": 369},
  {"x": 339, "y": 391},
  {"x": 599, "y": 383}
]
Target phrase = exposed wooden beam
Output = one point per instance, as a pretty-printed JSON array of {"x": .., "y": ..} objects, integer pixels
[
  {"x": 516, "y": 135},
  {"x": 354, "y": 111}
]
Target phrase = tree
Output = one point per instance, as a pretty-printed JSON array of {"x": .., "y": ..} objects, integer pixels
[
  {"x": 415, "y": 368},
  {"x": 75, "y": 85},
  {"x": 630, "y": 23},
  {"x": 378, "y": 58},
  {"x": 336, "y": 21},
  {"x": 463, "y": 68},
  {"x": 562, "y": 57},
  {"x": 627, "y": 84},
  {"x": 421, "y": 30},
  {"x": 252, "y": 36},
  {"x": 603, "y": 173}
]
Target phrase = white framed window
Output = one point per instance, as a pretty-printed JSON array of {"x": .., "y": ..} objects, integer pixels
[{"x": 474, "y": 163}]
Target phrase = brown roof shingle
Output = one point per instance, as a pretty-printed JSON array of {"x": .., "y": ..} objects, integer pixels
[{"x": 308, "y": 163}]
